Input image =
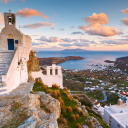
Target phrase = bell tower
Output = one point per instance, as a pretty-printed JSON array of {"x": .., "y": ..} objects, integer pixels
[{"x": 9, "y": 19}]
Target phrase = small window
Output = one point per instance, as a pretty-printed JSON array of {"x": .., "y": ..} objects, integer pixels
[
  {"x": 56, "y": 71},
  {"x": 50, "y": 71},
  {"x": 16, "y": 41}
]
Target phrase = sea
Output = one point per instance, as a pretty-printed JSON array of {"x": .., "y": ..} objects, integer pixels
[{"x": 92, "y": 58}]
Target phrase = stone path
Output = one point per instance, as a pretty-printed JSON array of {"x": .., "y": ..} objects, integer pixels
[{"x": 23, "y": 89}]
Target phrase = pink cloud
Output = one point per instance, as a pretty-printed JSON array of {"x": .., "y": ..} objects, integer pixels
[
  {"x": 125, "y": 21},
  {"x": 29, "y": 12},
  {"x": 38, "y": 25},
  {"x": 97, "y": 29},
  {"x": 96, "y": 18},
  {"x": 125, "y": 11},
  {"x": 82, "y": 27},
  {"x": 1, "y": 20},
  {"x": 6, "y": 1},
  {"x": 95, "y": 26}
]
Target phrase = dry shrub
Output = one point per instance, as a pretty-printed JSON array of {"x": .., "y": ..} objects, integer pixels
[
  {"x": 39, "y": 82},
  {"x": 55, "y": 86},
  {"x": 78, "y": 125},
  {"x": 55, "y": 94},
  {"x": 65, "y": 92},
  {"x": 81, "y": 112},
  {"x": 49, "y": 91},
  {"x": 76, "y": 109},
  {"x": 73, "y": 117},
  {"x": 61, "y": 102},
  {"x": 69, "y": 97},
  {"x": 63, "y": 110},
  {"x": 75, "y": 96},
  {"x": 58, "y": 92},
  {"x": 65, "y": 88},
  {"x": 64, "y": 121},
  {"x": 69, "y": 109},
  {"x": 77, "y": 116},
  {"x": 76, "y": 101},
  {"x": 90, "y": 124},
  {"x": 45, "y": 87}
]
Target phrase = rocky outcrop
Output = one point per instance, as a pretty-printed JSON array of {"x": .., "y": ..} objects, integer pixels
[
  {"x": 32, "y": 65},
  {"x": 27, "y": 110},
  {"x": 57, "y": 60}
]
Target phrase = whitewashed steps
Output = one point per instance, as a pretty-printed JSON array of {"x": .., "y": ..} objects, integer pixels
[{"x": 5, "y": 60}]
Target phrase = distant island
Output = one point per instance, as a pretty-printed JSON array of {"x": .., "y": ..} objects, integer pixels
[
  {"x": 57, "y": 60},
  {"x": 74, "y": 50}
]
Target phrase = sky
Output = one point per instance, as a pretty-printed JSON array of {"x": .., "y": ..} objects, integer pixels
[{"x": 98, "y": 25}]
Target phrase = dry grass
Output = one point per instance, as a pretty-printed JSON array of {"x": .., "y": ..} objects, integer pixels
[
  {"x": 79, "y": 125},
  {"x": 77, "y": 116},
  {"x": 73, "y": 117},
  {"x": 55, "y": 86},
  {"x": 69, "y": 109},
  {"x": 76, "y": 109},
  {"x": 65, "y": 92},
  {"x": 69, "y": 97},
  {"x": 65, "y": 89},
  {"x": 61, "y": 102},
  {"x": 81, "y": 112},
  {"x": 45, "y": 87},
  {"x": 76, "y": 101},
  {"x": 75, "y": 96},
  {"x": 90, "y": 124}
]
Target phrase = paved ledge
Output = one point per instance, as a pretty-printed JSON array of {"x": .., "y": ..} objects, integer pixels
[{"x": 23, "y": 88}]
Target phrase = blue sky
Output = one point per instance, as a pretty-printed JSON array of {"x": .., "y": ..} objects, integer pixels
[{"x": 86, "y": 24}]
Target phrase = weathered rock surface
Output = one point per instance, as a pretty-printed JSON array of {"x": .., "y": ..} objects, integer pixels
[{"x": 24, "y": 110}]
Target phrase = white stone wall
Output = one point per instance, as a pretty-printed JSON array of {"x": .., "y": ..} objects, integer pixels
[
  {"x": 17, "y": 72},
  {"x": 48, "y": 79}
]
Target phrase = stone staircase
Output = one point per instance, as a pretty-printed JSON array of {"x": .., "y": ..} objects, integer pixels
[{"x": 5, "y": 60}]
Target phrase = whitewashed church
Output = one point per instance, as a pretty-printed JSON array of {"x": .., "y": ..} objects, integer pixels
[{"x": 14, "y": 54}]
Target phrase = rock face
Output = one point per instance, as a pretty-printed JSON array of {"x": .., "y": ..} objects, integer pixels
[{"x": 29, "y": 110}]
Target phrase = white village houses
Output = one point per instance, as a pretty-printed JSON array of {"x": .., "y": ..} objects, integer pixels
[{"x": 14, "y": 54}]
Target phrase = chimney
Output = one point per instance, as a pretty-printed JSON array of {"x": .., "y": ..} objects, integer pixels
[{"x": 120, "y": 102}]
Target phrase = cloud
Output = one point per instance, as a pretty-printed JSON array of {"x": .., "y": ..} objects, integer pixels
[
  {"x": 67, "y": 40},
  {"x": 26, "y": 13},
  {"x": 6, "y": 1},
  {"x": 61, "y": 29},
  {"x": 95, "y": 26},
  {"x": 66, "y": 45},
  {"x": 125, "y": 21},
  {"x": 81, "y": 44},
  {"x": 37, "y": 25},
  {"x": 77, "y": 33},
  {"x": 96, "y": 18},
  {"x": 82, "y": 27},
  {"x": 125, "y": 11},
  {"x": 1, "y": 20},
  {"x": 51, "y": 39},
  {"x": 97, "y": 29},
  {"x": 115, "y": 42}
]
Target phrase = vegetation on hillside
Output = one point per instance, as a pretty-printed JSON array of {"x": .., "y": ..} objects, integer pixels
[{"x": 71, "y": 116}]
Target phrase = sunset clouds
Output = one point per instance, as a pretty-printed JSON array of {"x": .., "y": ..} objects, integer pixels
[
  {"x": 125, "y": 21},
  {"x": 96, "y": 18},
  {"x": 95, "y": 26},
  {"x": 26, "y": 13},
  {"x": 6, "y": 1},
  {"x": 125, "y": 11},
  {"x": 38, "y": 25},
  {"x": 1, "y": 20}
]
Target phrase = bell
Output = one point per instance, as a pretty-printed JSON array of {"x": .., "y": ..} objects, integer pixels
[{"x": 10, "y": 19}]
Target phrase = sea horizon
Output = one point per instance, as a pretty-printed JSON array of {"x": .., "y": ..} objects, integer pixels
[{"x": 91, "y": 58}]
